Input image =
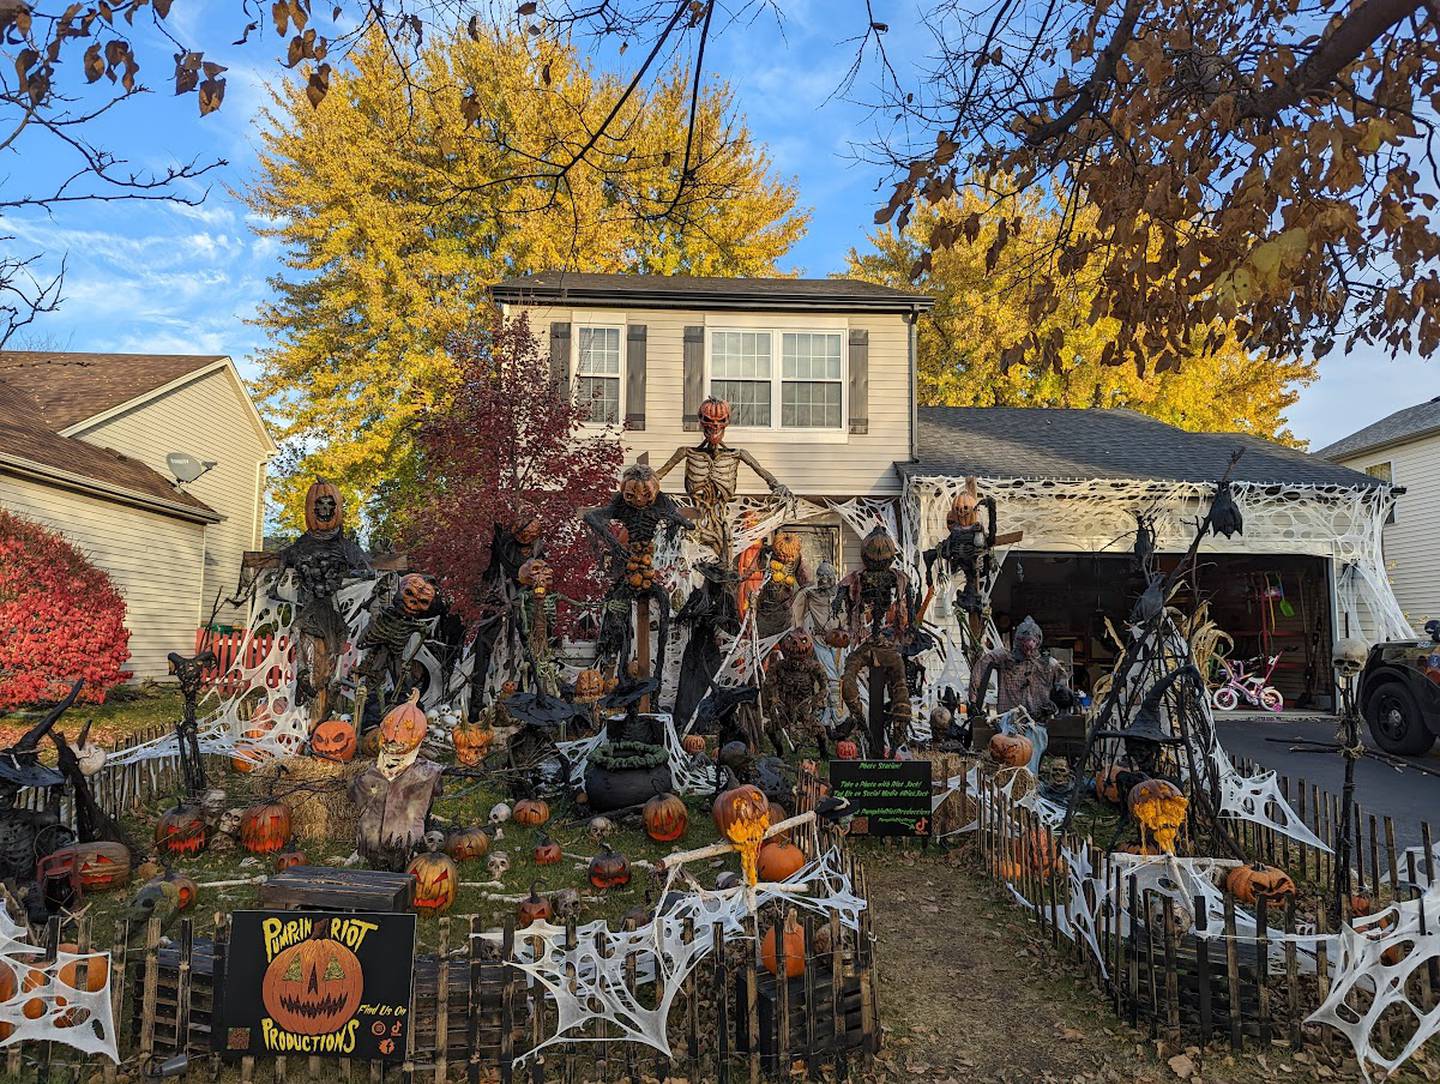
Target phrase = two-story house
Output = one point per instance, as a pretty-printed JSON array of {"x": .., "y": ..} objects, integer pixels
[
  {"x": 84, "y": 441},
  {"x": 1403, "y": 449}
]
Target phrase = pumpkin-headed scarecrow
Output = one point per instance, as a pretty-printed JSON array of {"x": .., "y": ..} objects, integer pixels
[
  {"x": 383, "y": 646},
  {"x": 395, "y": 795},
  {"x": 880, "y": 610},
  {"x": 967, "y": 547},
  {"x": 785, "y": 576},
  {"x": 796, "y": 690}
]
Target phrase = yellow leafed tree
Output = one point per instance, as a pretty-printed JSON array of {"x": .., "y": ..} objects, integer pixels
[
  {"x": 980, "y": 311},
  {"x": 402, "y": 197}
]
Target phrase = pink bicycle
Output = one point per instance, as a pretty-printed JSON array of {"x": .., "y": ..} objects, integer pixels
[{"x": 1253, "y": 688}]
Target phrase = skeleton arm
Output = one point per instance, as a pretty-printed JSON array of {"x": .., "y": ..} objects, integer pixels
[
  {"x": 776, "y": 487},
  {"x": 598, "y": 520},
  {"x": 675, "y": 457}
]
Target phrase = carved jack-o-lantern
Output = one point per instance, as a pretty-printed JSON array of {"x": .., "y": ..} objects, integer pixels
[
  {"x": 965, "y": 508},
  {"x": 531, "y": 812},
  {"x": 289, "y": 860},
  {"x": 534, "y": 908},
  {"x": 1248, "y": 883},
  {"x": 102, "y": 865},
  {"x": 334, "y": 739},
  {"x": 1011, "y": 750},
  {"x": 547, "y": 851},
  {"x": 742, "y": 814},
  {"x": 403, "y": 727},
  {"x": 609, "y": 869},
  {"x": 313, "y": 987},
  {"x": 465, "y": 844},
  {"x": 324, "y": 509},
  {"x": 638, "y": 486},
  {"x": 415, "y": 594},
  {"x": 878, "y": 548},
  {"x": 714, "y": 419},
  {"x": 589, "y": 686},
  {"x": 181, "y": 831},
  {"x": 472, "y": 742},
  {"x": 436, "y": 881},
  {"x": 786, "y": 547},
  {"x": 665, "y": 817},
  {"x": 265, "y": 828},
  {"x": 693, "y": 743}
]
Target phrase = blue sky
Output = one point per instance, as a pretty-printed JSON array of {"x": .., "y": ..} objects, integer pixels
[{"x": 177, "y": 279}]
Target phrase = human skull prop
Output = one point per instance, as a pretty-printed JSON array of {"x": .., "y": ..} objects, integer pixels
[
  {"x": 566, "y": 903},
  {"x": 498, "y": 864},
  {"x": 434, "y": 840},
  {"x": 601, "y": 828},
  {"x": 230, "y": 822},
  {"x": 1348, "y": 658},
  {"x": 499, "y": 814},
  {"x": 940, "y": 717}
]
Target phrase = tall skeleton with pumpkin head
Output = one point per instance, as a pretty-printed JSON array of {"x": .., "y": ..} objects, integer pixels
[
  {"x": 967, "y": 547},
  {"x": 712, "y": 476},
  {"x": 385, "y": 645}
]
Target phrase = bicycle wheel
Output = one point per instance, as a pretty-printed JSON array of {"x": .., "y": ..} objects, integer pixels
[
  {"x": 1224, "y": 698},
  {"x": 1270, "y": 699}
]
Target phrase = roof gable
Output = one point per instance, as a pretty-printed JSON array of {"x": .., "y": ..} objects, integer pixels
[
  {"x": 66, "y": 388},
  {"x": 1420, "y": 420}
]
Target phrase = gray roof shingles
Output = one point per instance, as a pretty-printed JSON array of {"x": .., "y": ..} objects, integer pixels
[
  {"x": 1419, "y": 420},
  {"x": 697, "y": 292},
  {"x": 1054, "y": 443}
]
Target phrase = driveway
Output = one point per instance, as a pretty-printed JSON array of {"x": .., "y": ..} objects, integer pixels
[{"x": 1406, "y": 797}]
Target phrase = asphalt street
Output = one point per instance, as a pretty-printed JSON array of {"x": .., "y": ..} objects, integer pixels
[{"x": 1408, "y": 797}]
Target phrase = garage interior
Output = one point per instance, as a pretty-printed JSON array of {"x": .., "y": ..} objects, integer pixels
[{"x": 1267, "y": 603}]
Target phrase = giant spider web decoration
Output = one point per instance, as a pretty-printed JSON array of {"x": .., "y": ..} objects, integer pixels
[
  {"x": 589, "y": 983},
  {"x": 44, "y": 1006}
]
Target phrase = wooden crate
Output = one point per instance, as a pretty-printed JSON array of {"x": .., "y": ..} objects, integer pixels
[{"x": 324, "y": 888}]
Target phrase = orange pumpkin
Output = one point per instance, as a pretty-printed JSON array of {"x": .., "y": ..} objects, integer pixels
[
  {"x": 742, "y": 814},
  {"x": 265, "y": 828},
  {"x": 181, "y": 831},
  {"x": 185, "y": 891},
  {"x": 472, "y": 742},
  {"x": 847, "y": 750},
  {"x": 97, "y": 972},
  {"x": 547, "y": 851},
  {"x": 102, "y": 865},
  {"x": 1011, "y": 750},
  {"x": 531, "y": 812},
  {"x": 1160, "y": 808},
  {"x": 665, "y": 817},
  {"x": 466, "y": 844},
  {"x": 324, "y": 507},
  {"x": 1107, "y": 785},
  {"x": 248, "y": 756},
  {"x": 692, "y": 744},
  {"x": 1361, "y": 903},
  {"x": 589, "y": 686},
  {"x": 1038, "y": 853},
  {"x": 1248, "y": 883},
  {"x": 436, "y": 881},
  {"x": 314, "y": 986},
  {"x": 786, "y": 547},
  {"x": 779, "y": 861},
  {"x": 534, "y": 908},
  {"x": 415, "y": 594},
  {"x": 288, "y": 860},
  {"x": 403, "y": 728},
  {"x": 794, "y": 943},
  {"x": 334, "y": 739},
  {"x": 609, "y": 869}
]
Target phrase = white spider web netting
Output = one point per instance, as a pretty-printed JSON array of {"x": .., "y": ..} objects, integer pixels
[
  {"x": 589, "y": 983},
  {"x": 44, "y": 1000},
  {"x": 691, "y": 774}
]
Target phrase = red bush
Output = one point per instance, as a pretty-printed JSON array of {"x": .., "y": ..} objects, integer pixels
[{"x": 60, "y": 618}]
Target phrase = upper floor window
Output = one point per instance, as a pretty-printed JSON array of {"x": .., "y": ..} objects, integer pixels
[
  {"x": 807, "y": 382},
  {"x": 597, "y": 373},
  {"x": 1383, "y": 471}
]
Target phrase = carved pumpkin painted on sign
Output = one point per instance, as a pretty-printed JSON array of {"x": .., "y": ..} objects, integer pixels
[{"x": 313, "y": 987}]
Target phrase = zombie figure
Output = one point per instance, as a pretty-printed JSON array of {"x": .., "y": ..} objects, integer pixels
[
  {"x": 712, "y": 476},
  {"x": 710, "y": 612},
  {"x": 636, "y": 517},
  {"x": 28, "y": 835},
  {"x": 774, "y": 602},
  {"x": 880, "y": 611},
  {"x": 1025, "y": 677},
  {"x": 967, "y": 548},
  {"x": 385, "y": 644},
  {"x": 322, "y": 558},
  {"x": 796, "y": 692},
  {"x": 190, "y": 674},
  {"x": 516, "y": 568},
  {"x": 814, "y": 611},
  {"x": 394, "y": 796}
]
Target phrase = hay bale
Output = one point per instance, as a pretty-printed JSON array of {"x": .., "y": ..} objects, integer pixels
[
  {"x": 1023, "y": 780},
  {"x": 953, "y": 813},
  {"x": 317, "y": 793}
]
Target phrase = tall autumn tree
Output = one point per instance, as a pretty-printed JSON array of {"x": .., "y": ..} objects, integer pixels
[
  {"x": 978, "y": 317},
  {"x": 405, "y": 194}
]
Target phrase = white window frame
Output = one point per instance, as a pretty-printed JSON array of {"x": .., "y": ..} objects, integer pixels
[
  {"x": 775, "y": 328},
  {"x": 1388, "y": 478},
  {"x": 576, "y": 325}
]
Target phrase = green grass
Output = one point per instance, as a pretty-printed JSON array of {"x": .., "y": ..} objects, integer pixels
[{"x": 128, "y": 709}]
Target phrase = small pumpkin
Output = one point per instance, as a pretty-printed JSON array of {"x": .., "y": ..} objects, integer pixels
[
  {"x": 404, "y": 725},
  {"x": 334, "y": 739},
  {"x": 589, "y": 686},
  {"x": 265, "y": 828},
  {"x": 1106, "y": 785},
  {"x": 692, "y": 744},
  {"x": 288, "y": 860},
  {"x": 185, "y": 891},
  {"x": 467, "y": 844},
  {"x": 437, "y": 881},
  {"x": 531, "y": 812},
  {"x": 547, "y": 851},
  {"x": 181, "y": 831},
  {"x": 1361, "y": 903},
  {"x": 471, "y": 742},
  {"x": 1038, "y": 853},
  {"x": 742, "y": 814},
  {"x": 1011, "y": 750},
  {"x": 609, "y": 869},
  {"x": 248, "y": 756},
  {"x": 1248, "y": 883},
  {"x": 794, "y": 942},
  {"x": 779, "y": 860},
  {"x": 534, "y": 908},
  {"x": 665, "y": 817},
  {"x": 847, "y": 750}
]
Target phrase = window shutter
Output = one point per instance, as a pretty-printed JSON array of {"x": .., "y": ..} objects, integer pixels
[
  {"x": 560, "y": 353},
  {"x": 694, "y": 378},
  {"x": 635, "y": 376},
  {"x": 859, "y": 380}
]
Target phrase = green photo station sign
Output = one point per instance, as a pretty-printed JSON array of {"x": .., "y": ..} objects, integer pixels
[{"x": 889, "y": 797}]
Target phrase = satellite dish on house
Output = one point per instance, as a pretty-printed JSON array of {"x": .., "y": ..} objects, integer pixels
[{"x": 186, "y": 468}]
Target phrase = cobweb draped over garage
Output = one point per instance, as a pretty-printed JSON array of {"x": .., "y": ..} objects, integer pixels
[{"x": 43, "y": 1005}]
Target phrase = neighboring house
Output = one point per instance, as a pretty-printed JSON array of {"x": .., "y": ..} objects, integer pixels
[
  {"x": 1403, "y": 450},
  {"x": 821, "y": 375},
  {"x": 83, "y": 446}
]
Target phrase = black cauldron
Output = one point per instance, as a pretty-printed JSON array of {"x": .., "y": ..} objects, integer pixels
[{"x": 626, "y": 773}]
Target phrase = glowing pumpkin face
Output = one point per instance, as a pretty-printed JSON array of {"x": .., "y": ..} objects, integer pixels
[
  {"x": 471, "y": 742},
  {"x": 324, "y": 509},
  {"x": 665, "y": 818},
  {"x": 742, "y": 814},
  {"x": 265, "y": 829},
  {"x": 1159, "y": 807},
  {"x": 181, "y": 831},
  {"x": 714, "y": 419},
  {"x": 589, "y": 686},
  {"x": 436, "y": 882},
  {"x": 415, "y": 594},
  {"x": 334, "y": 739},
  {"x": 797, "y": 644},
  {"x": 403, "y": 728},
  {"x": 314, "y": 987}
]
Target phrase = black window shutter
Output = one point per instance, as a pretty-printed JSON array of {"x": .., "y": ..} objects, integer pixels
[
  {"x": 694, "y": 378},
  {"x": 859, "y": 381},
  {"x": 635, "y": 376},
  {"x": 560, "y": 353}
]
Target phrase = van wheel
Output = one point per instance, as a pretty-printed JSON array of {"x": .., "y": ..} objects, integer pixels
[{"x": 1395, "y": 721}]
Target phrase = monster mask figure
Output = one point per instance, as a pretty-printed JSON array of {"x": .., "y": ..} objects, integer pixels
[{"x": 1025, "y": 677}]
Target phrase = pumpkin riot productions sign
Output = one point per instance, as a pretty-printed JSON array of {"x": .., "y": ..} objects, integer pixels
[
  {"x": 313, "y": 982},
  {"x": 889, "y": 797}
]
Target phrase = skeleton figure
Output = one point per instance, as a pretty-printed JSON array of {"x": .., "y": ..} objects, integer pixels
[
  {"x": 967, "y": 548},
  {"x": 501, "y": 596},
  {"x": 322, "y": 558},
  {"x": 813, "y": 611},
  {"x": 796, "y": 691},
  {"x": 629, "y": 526},
  {"x": 710, "y": 611},
  {"x": 190, "y": 672},
  {"x": 880, "y": 609},
  {"x": 712, "y": 476},
  {"x": 385, "y": 640},
  {"x": 1025, "y": 677}
]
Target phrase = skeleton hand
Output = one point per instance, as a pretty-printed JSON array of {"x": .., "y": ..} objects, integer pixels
[{"x": 782, "y": 491}]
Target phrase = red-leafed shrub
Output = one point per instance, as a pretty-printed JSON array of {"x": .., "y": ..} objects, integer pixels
[{"x": 60, "y": 618}]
